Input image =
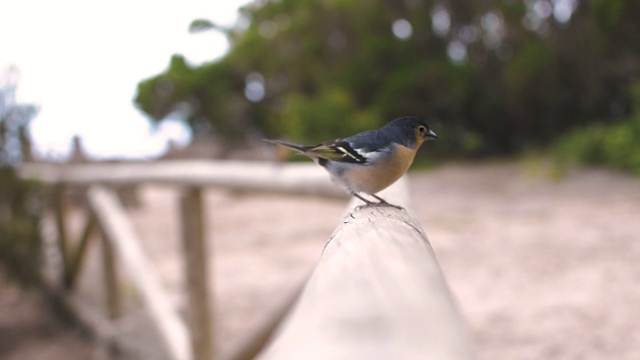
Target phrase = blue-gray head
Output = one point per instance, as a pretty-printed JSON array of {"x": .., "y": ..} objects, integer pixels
[{"x": 409, "y": 131}]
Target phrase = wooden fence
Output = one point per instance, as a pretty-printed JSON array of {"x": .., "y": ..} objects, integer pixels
[{"x": 376, "y": 293}]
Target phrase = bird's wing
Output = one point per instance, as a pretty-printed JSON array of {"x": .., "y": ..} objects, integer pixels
[{"x": 339, "y": 150}]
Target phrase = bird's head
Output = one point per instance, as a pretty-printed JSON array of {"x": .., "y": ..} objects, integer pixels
[{"x": 410, "y": 131}]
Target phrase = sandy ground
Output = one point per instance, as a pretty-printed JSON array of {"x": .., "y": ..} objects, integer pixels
[{"x": 541, "y": 267}]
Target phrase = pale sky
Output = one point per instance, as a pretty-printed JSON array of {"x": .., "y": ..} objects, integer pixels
[{"x": 80, "y": 62}]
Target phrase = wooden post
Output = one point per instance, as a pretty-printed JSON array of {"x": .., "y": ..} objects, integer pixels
[
  {"x": 196, "y": 269},
  {"x": 377, "y": 293},
  {"x": 77, "y": 260},
  {"x": 60, "y": 212},
  {"x": 114, "y": 308}
]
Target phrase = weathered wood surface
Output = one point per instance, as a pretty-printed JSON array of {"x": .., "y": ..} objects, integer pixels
[
  {"x": 303, "y": 178},
  {"x": 120, "y": 233},
  {"x": 376, "y": 293}
]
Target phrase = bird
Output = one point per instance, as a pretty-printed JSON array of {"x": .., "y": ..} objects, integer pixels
[{"x": 369, "y": 161}]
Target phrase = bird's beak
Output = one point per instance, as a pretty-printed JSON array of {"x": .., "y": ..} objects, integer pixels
[{"x": 430, "y": 135}]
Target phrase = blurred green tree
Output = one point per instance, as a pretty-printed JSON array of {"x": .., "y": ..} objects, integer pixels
[
  {"x": 498, "y": 75},
  {"x": 19, "y": 200},
  {"x": 616, "y": 145}
]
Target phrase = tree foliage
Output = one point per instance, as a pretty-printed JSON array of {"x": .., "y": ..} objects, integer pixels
[
  {"x": 19, "y": 201},
  {"x": 495, "y": 76},
  {"x": 614, "y": 145},
  {"x": 14, "y": 118}
]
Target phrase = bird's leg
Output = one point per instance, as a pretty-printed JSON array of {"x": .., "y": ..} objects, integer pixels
[
  {"x": 384, "y": 202},
  {"x": 369, "y": 203}
]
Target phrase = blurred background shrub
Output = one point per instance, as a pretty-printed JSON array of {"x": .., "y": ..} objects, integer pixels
[
  {"x": 616, "y": 145},
  {"x": 20, "y": 203}
]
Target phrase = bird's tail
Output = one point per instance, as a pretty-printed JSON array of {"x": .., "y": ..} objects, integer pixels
[{"x": 299, "y": 148}]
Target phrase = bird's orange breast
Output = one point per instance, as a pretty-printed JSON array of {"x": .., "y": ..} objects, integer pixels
[{"x": 373, "y": 178}]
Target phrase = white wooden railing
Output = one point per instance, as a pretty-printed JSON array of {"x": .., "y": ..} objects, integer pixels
[{"x": 376, "y": 293}]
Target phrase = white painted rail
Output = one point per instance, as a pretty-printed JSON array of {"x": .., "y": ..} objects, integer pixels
[{"x": 303, "y": 178}]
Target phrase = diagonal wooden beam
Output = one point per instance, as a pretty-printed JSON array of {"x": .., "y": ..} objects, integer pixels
[{"x": 121, "y": 235}]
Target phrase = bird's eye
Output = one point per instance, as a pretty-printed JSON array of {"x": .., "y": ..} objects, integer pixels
[{"x": 422, "y": 129}]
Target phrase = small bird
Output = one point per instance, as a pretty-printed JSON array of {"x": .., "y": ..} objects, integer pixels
[{"x": 370, "y": 161}]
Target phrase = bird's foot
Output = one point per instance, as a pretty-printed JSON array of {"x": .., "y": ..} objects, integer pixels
[{"x": 381, "y": 202}]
